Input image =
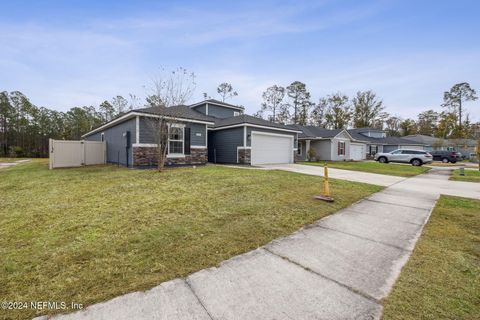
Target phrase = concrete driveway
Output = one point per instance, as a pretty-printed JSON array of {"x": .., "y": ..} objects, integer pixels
[
  {"x": 338, "y": 268},
  {"x": 356, "y": 176}
]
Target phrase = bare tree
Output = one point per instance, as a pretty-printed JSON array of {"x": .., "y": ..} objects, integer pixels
[
  {"x": 226, "y": 91},
  {"x": 170, "y": 89},
  {"x": 120, "y": 104},
  {"x": 272, "y": 98}
]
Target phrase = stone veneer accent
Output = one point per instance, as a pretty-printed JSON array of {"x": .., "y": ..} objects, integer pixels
[
  {"x": 148, "y": 156},
  {"x": 244, "y": 156}
]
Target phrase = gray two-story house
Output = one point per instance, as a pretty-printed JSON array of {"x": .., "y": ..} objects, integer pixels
[{"x": 210, "y": 130}]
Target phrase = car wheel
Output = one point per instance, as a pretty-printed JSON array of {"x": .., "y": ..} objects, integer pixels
[
  {"x": 416, "y": 162},
  {"x": 382, "y": 160},
  {"x": 445, "y": 160}
]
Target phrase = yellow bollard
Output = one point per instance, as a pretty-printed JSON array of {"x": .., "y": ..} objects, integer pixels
[{"x": 326, "y": 186}]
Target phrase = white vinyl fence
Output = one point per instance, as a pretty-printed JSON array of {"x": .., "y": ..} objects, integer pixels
[{"x": 69, "y": 153}]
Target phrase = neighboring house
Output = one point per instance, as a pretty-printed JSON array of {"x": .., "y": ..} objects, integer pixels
[
  {"x": 206, "y": 131},
  {"x": 334, "y": 145},
  {"x": 377, "y": 141},
  {"x": 465, "y": 146}
]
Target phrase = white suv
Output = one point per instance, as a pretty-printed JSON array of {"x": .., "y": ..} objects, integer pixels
[{"x": 415, "y": 157}]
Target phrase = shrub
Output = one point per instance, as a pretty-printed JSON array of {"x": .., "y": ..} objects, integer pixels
[
  {"x": 312, "y": 155},
  {"x": 15, "y": 152}
]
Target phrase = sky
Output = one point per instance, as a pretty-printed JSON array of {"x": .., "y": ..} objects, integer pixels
[{"x": 63, "y": 54}]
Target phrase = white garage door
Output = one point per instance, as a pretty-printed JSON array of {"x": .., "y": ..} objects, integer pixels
[
  {"x": 270, "y": 148},
  {"x": 357, "y": 151}
]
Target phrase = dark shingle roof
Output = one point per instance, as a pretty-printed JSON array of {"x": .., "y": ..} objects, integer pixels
[
  {"x": 244, "y": 118},
  {"x": 356, "y": 134},
  {"x": 315, "y": 132},
  {"x": 176, "y": 112}
]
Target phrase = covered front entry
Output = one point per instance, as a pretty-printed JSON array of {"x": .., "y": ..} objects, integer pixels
[
  {"x": 270, "y": 148},
  {"x": 358, "y": 151}
]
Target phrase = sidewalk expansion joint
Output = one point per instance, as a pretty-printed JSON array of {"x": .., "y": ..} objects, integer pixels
[
  {"x": 403, "y": 221},
  {"x": 401, "y": 205},
  {"x": 198, "y": 299},
  {"x": 367, "y": 239},
  {"x": 356, "y": 291}
]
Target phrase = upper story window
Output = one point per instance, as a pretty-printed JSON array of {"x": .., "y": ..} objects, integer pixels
[
  {"x": 176, "y": 139},
  {"x": 236, "y": 113}
]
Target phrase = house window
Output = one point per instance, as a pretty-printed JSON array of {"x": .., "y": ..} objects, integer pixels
[
  {"x": 236, "y": 113},
  {"x": 299, "y": 148},
  {"x": 175, "y": 139},
  {"x": 341, "y": 148},
  {"x": 373, "y": 150}
]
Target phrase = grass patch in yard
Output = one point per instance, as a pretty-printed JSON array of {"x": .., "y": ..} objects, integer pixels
[
  {"x": 470, "y": 175},
  {"x": 88, "y": 234},
  {"x": 390, "y": 169},
  {"x": 442, "y": 278}
]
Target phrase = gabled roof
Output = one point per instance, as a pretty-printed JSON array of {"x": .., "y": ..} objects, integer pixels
[
  {"x": 246, "y": 119},
  {"x": 218, "y": 103},
  {"x": 356, "y": 134},
  {"x": 432, "y": 141},
  {"x": 315, "y": 132},
  {"x": 180, "y": 111}
]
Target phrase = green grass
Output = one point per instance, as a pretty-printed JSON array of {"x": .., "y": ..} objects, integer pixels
[
  {"x": 442, "y": 278},
  {"x": 373, "y": 167},
  {"x": 89, "y": 234},
  {"x": 470, "y": 175}
]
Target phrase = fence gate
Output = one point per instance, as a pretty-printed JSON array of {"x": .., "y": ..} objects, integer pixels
[{"x": 69, "y": 153}]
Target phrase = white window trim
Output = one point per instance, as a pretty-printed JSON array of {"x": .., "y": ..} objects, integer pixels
[
  {"x": 176, "y": 155},
  {"x": 344, "y": 148},
  {"x": 299, "y": 148}
]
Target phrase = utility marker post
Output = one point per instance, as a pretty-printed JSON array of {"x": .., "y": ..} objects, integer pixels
[{"x": 326, "y": 187}]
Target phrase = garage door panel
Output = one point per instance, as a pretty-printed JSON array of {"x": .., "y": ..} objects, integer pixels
[
  {"x": 357, "y": 152},
  {"x": 270, "y": 149}
]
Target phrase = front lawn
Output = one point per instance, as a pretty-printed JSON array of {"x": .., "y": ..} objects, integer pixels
[
  {"x": 470, "y": 175},
  {"x": 442, "y": 278},
  {"x": 89, "y": 234},
  {"x": 373, "y": 167}
]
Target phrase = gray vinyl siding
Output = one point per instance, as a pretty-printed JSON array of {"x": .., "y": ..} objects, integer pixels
[
  {"x": 116, "y": 150},
  {"x": 201, "y": 109},
  {"x": 198, "y": 134},
  {"x": 250, "y": 129},
  {"x": 223, "y": 145},
  {"x": 322, "y": 149},
  {"x": 334, "y": 145},
  {"x": 220, "y": 112},
  {"x": 147, "y": 134},
  {"x": 94, "y": 137}
]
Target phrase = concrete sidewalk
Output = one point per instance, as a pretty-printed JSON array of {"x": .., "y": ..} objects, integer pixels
[
  {"x": 11, "y": 164},
  {"x": 350, "y": 175},
  {"x": 338, "y": 268}
]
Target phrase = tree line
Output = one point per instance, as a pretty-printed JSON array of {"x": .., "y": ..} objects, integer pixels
[
  {"x": 26, "y": 128},
  {"x": 293, "y": 104}
]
